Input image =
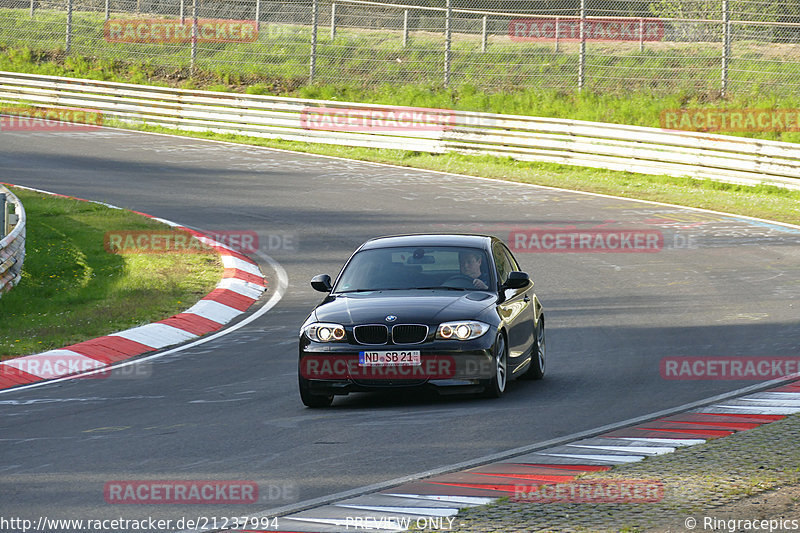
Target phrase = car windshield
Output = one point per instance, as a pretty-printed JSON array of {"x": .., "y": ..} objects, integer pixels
[{"x": 404, "y": 268}]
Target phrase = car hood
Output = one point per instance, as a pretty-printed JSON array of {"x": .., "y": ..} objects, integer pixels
[{"x": 415, "y": 307}]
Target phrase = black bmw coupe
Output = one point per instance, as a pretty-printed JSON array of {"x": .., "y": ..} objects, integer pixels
[{"x": 454, "y": 312}]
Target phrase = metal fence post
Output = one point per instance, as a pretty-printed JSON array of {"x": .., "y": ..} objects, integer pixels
[
  {"x": 313, "y": 60},
  {"x": 194, "y": 34},
  {"x": 68, "y": 43},
  {"x": 183, "y": 17},
  {"x": 641, "y": 35},
  {"x": 582, "y": 52},
  {"x": 258, "y": 15},
  {"x": 726, "y": 46},
  {"x": 333, "y": 20},
  {"x": 484, "y": 36},
  {"x": 558, "y": 32},
  {"x": 108, "y": 9},
  {"x": 33, "y": 7},
  {"x": 447, "y": 38},
  {"x": 3, "y": 217},
  {"x": 405, "y": 28}
]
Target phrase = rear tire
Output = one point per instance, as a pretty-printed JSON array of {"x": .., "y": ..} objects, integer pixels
[
  {"x": 497, "y": 385},
  {"x": 312, "y": 400},
  {"x": 538, "y": 353}
]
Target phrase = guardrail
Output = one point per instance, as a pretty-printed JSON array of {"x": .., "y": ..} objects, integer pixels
[
  {"x": 570, "y": 142},
  {"x": 12, "y": 245}
]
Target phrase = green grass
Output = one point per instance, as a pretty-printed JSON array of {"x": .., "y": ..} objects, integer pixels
[
  {"x": 374, "y": 56},
  {"x": 637, "y": 107},
  {"x": 372, "y": 66},
  {"x": 72, "y": 289}
]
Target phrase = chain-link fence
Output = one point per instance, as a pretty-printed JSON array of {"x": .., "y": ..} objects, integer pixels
[{"x": 660, "y": 45}]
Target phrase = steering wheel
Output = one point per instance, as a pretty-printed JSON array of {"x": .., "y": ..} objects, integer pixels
[{"x": 458, "y": 278}]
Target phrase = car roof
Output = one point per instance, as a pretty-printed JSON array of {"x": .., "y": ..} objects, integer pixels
[{"x": 429, "y": 239}]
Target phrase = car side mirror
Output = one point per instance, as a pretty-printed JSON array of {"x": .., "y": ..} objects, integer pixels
[
  {"x": 321, "y": 283},
  {"x": 516, "y": 280}
]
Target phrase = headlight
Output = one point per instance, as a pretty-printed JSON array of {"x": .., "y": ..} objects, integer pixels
[
  {"x": 463, "y": 330},
  {"x": 322, "y": 332}
]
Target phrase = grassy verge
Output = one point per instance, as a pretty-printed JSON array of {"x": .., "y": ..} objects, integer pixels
[
  {"x": 524, "y": 78},
  {"x": 766, "y": 201},
  {"x": 378, "y": 55},
  {"x": 72, "y": 289},
  {"x": 634, "y": 107}
]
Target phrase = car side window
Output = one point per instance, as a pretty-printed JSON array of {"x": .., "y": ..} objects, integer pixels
[
  {"x": 511, "y": 260},
  {"x": 502, "y": 262}
]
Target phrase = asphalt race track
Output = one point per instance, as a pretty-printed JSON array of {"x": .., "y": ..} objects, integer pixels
[{"x": 230, "y": 410}]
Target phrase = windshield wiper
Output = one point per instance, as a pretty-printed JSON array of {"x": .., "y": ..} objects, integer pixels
[
  {"x": 439, "y": 287},
  {"x": 358, "y": 290},
  {"x": 372, "y": 290}
]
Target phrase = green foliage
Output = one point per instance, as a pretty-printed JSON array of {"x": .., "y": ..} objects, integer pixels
[
  {"x": 687, "y": 9},
  {"x": 72, "y": 289},
  {"x": 279, "y": 60},
  {"x": 640, "y": 107}
]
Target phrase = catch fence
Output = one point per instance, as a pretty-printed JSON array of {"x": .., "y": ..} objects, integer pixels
[{"x": 716, "y": 46}]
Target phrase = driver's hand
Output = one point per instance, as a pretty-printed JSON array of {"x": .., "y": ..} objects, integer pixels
[{"x": 479, "y": 284}]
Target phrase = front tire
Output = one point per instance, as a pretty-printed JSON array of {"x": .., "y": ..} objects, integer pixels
[
  {"x": 497, "y": 385},
  {"x": 538, "y": 353},
  {"x": 312, "y": 400}
]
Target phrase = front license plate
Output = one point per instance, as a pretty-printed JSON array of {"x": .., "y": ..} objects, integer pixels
[{"x": 399, "y": 358}]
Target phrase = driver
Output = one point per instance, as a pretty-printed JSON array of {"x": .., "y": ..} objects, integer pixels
[{"x": 470, "y": 263}]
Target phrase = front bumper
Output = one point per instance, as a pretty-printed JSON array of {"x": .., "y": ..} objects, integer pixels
[{"x": 332, "y": 368}]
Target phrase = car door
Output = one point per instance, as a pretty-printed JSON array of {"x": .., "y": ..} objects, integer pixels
[{"x": 516, "y": 308}]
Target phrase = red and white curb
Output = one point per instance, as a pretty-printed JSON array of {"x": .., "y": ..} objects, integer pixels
[
  {"x": 241, "y": 285},
  {"x": 433, "y": 502}
]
